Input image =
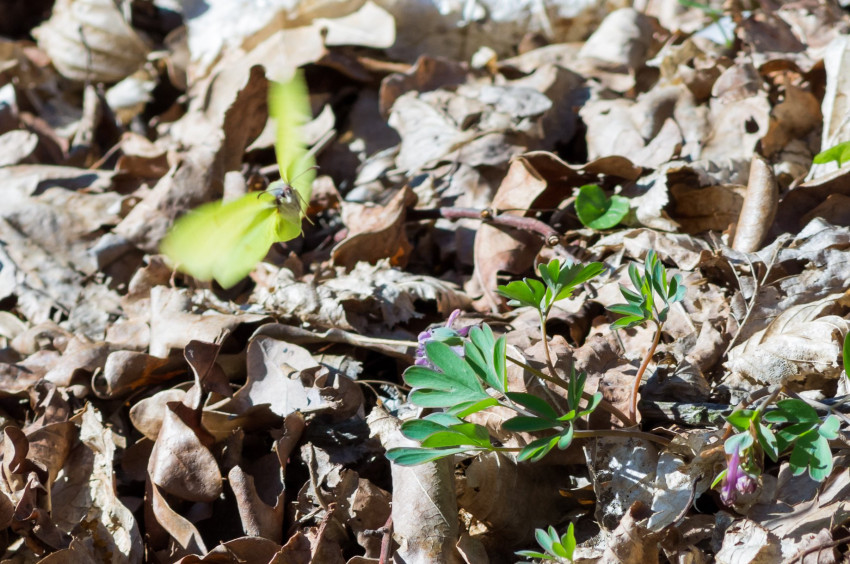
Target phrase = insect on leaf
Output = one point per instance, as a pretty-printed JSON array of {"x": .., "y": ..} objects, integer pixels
[{"x": 225, "y": 240}]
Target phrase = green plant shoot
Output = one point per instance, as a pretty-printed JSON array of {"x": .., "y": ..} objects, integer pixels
[
  {"x": 225, "y": 240},
  {"x": 598, "y": 211},
  {"x": 465, "y": 375},
  {"x": 557, "y": 548},
  {"x": 839, "y": 153}
]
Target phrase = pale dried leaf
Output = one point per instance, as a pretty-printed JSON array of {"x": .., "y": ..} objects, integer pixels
[
  {"x": 367, "y": 295},
  {"x": 17, "y": 146},
  {"x": 802, "y": 345},
  {"x": 758, "y": 209},
  {"x": 620, "y": 470},
  {"x": 424, "y": 502},
  {"x": 90, "y": 40},
  {"x": 747, "y": 542}
]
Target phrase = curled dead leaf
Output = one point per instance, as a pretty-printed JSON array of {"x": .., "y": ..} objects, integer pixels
[{"x": 758, "y": 209}]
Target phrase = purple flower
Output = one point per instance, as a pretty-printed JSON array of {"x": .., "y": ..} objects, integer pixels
[
  {"x": 737, "y": 480},
  {"x": 446, "y": 334}
]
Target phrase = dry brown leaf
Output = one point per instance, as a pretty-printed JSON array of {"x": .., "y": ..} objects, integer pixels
[
  {"x": 141, "y": 158},
  {"x": 835, "y": 209},
  {"x": 747, "y": 542},
  {"x": 278, "y": 376},
  {"x": 739, "y": 115},
  {"x": 620, "y": 469},
  {"x": 375, "y": 232},
  {"x": 682, "y": 475},
  {"x": 125, "y": 371},
  {"x": 648, "y": 198},
  {"x": 698, "y": 209},
  {"x": 797, "y": 115},
  {"x": 800, "y": 347},
  {"x": 258, "y": 518},
  {"x": 622, "y": 40},
  {"x": 90, "y": 40},
  {"x": 181, "y": 462},
  {"x": 631, "y": 542},
  {"x": 758, "y": 209},
  {"x": 684, "y": 251},
  {"x": 161, "y": 521},
  {"x": 216, "y": 129},
  {"x": 80, "y": 359},
  {"x": 512, "y": 499},
  {"x": 172, "y": 326},
  {"x": 424, "y": 502},
  {"x": 429, "y": 73},
  {"x": 802, "y": 200},
  {"x": 509, "y": 250},
  {"x": 803, "y": 512},
  {"x": 147, "y": 414},
  {"x": 369, "y": 299},
  {"x": 117, "y": 533}
]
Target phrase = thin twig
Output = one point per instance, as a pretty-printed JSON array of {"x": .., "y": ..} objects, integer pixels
[
  {"x": 812, "y": 549},
  {"x": 387, "y": 542},
  {"x": 530, "y": 224}
]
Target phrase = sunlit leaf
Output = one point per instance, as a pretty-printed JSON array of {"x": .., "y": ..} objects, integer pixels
[{"x": 597, "y": 211}]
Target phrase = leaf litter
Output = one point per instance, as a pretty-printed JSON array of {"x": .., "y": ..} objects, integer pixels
[{"x": 148, "y": 416}]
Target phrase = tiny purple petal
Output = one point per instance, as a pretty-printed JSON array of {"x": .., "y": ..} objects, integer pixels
[
  {"x": 746, "y": 484},
  {"x": 737, "y": 480},
  {"x": 428, "y": 335},
  {"x": 452, "y": 317},
  {"x": 424, "y": 336},
  {"x": 733, "y": 473}
]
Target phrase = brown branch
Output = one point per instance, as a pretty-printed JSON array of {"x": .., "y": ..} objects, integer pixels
[{"x": 550, "y": 236}]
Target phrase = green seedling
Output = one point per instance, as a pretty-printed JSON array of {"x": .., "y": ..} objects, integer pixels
[
  {"x": 652, "y": 289},
  {"x": 464, "y": 381},
  {"x": 557, "y": 548},
  {"x": 839, "y": 153},
  {"x": 598, "y": 211}
]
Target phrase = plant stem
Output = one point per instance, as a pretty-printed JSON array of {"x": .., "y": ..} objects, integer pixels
[
  {"x": 641, "y": 370},
  {"x": 549, "y": 364},
  {"x": 542, "y": 375},
  {"x": 605, "y": 405},
  {"x": 579, "y": 434}
]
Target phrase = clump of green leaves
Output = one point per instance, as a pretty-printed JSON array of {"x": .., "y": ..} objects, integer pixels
[
  {"x": 557, "y": 548},
  {"x": 559, "y": 282},
  {"x": 799, "y": 430},
  {"x": 464, "y": 383},
  {"x": 650, "y": 301},
  {"x": 598, "y": 211},
  {"x": 641, "y": 306},
  {"x": 793, "y": 426},
  {"x": 839, "y": 153},
  {"x": 805, "y": 435}
]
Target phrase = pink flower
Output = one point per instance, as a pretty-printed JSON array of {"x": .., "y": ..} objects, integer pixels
[
  {"x": 445, "y": 334},
  {"x": 737, "y": 480}
]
